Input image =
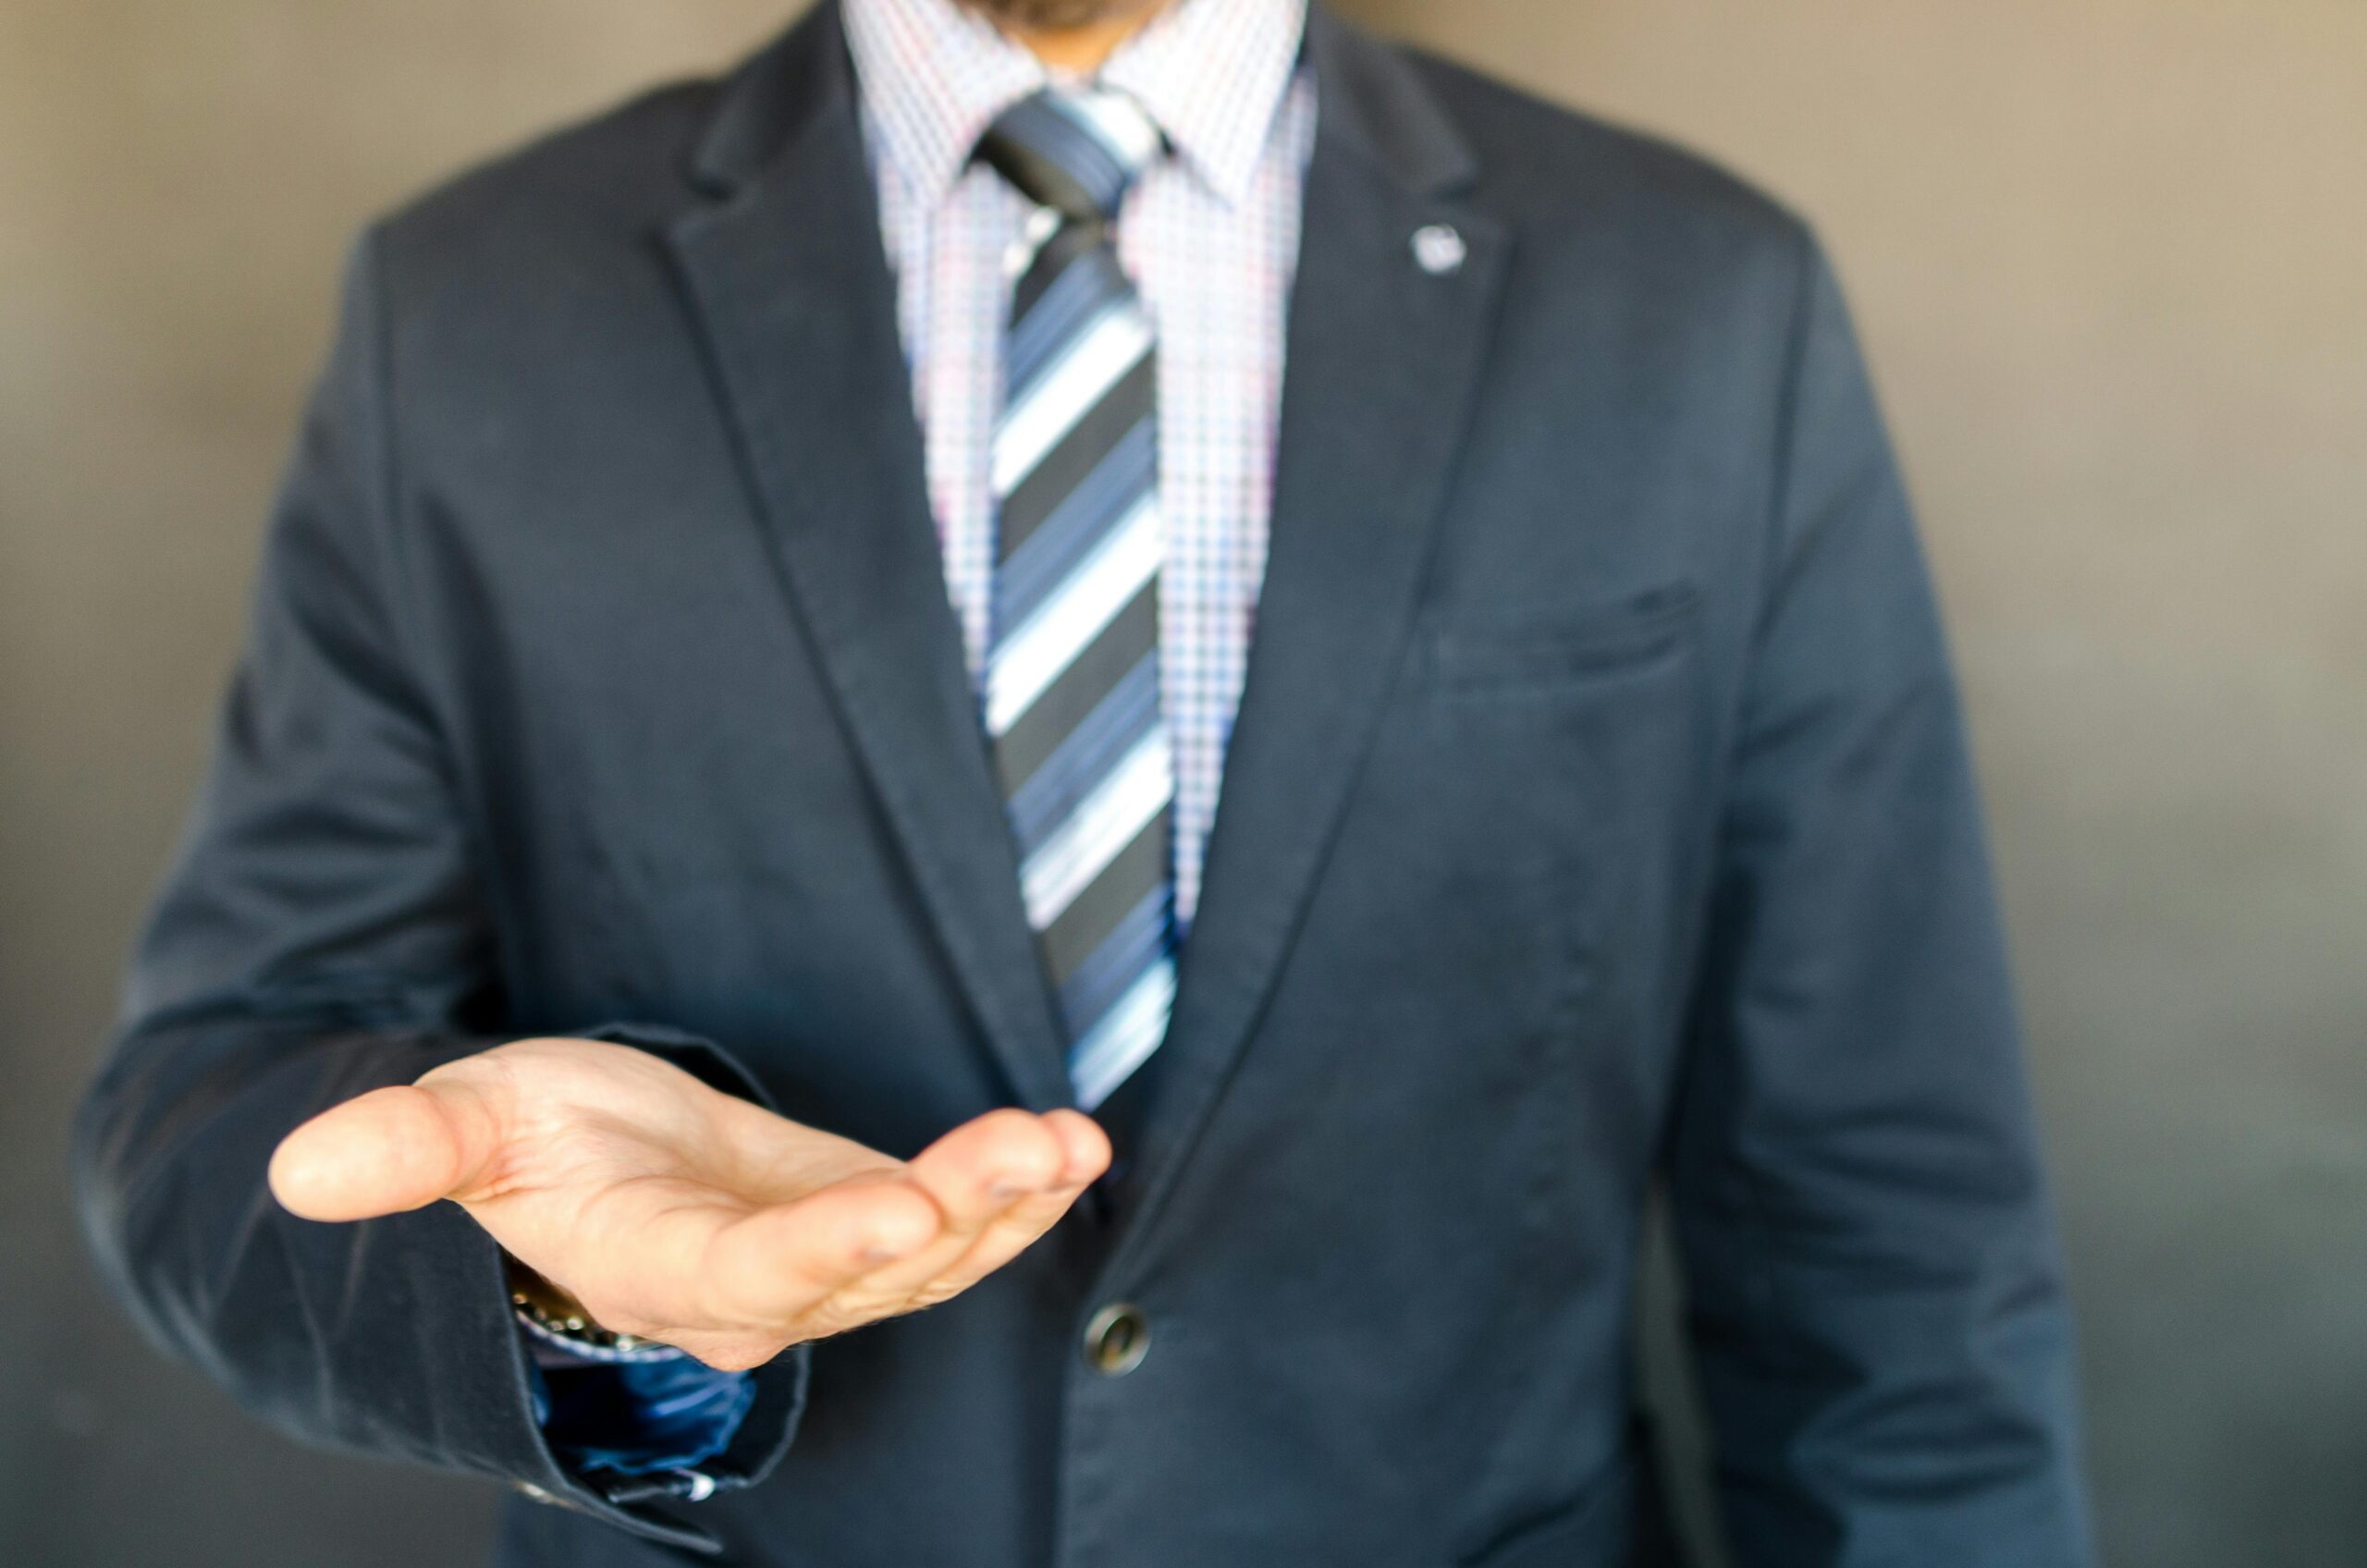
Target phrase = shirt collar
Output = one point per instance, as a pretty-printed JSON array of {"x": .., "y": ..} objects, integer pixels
[{"x": 934, "y": 74}]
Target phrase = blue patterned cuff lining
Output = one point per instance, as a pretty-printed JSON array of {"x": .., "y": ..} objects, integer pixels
[{"x": 640, "y": 1418}]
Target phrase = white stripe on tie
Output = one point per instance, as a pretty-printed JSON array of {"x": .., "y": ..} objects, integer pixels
[
  {"x": 1119, "y": 122},
  {"x": 1133, "y": 793},
  {"x": 1125, "y": 1036},
  {"x": 1096, "y": 360},
  {"x": 1029, "y": 659}
]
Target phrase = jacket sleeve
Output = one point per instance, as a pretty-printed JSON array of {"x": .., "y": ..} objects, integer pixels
[
  {"x": 323, "y": 934},
  {"x": 1875, "y": 1299}
]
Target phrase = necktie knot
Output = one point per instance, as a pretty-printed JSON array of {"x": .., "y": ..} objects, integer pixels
[{"x": 1076, "y": 150}]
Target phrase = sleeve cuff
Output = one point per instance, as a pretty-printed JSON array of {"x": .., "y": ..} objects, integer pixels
[{"x": 646, "y": 1416}]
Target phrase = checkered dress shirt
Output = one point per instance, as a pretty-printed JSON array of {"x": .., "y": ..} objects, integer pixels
[{"x": 1210, "y": 237}]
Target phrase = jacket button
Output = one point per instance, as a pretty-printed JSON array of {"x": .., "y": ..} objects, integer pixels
[
  {"x": 1117, "y": 1340},
  {"x": 1439, "y": 249}
]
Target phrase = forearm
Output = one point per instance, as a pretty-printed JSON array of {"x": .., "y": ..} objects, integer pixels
[
  {"x": 391, "y": 1336},
  {"x": 301, "y": 1322}
]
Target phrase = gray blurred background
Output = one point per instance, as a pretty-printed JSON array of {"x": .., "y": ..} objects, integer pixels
[{"x": 2111, "y": 260}]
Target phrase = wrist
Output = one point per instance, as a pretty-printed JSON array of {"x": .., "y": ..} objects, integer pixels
[{"x": 552, "y": 1314}]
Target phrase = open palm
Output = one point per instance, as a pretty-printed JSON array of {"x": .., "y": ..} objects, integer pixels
[{"x": 679, "y": 1213}]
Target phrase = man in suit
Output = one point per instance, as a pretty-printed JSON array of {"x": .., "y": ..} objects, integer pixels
[{"x": 726, "y": 779}]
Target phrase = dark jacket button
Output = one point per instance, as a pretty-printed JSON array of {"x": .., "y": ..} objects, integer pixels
[{"x": 1117, "y": 1340}]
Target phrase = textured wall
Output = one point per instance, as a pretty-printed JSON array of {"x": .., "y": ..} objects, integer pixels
[{"x": 2108, "y": 257}]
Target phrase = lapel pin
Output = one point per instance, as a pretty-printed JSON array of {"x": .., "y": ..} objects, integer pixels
[{"x": 1439, "y": 249}]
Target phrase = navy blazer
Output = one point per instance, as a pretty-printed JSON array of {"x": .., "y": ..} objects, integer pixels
[{"x": 1598, "y": 811}]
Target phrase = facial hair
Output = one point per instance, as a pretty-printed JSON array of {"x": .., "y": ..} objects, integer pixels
[{"x": 1040, "y": 16}]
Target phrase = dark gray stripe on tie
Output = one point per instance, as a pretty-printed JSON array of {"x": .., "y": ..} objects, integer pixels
[
  {"x": 1070, "y": 243},
  {"x": 1083, "y": 759},
  {"x": 1041, "y": 179},
  {"x": 1074, "y": 456},
  {"x": 1056, "y": 161},
  {"x": 1142, "y": 936},
  {"x": 1041, "y": 327},
  {"x": 1133, "y": 875},
  {"x": 1054, "y": 549},
  {"x": 1131, "y": 635}
]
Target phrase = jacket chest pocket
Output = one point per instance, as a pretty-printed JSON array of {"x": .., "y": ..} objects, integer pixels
[{"x": 1541, "y": 653}]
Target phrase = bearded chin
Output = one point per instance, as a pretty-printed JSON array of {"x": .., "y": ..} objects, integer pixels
[{"x": 1051, "y": 14}]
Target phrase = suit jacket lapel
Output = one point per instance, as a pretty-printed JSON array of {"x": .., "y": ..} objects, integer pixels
[
  {"x": 1383, "y": 359},
  {"x": 790, "y": 285}
]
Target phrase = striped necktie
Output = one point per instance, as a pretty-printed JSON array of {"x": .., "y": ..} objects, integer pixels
[{"x": 1071, "y": 680}]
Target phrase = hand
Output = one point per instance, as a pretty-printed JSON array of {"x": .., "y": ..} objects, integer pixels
[{"x": 679, "y": 1213}]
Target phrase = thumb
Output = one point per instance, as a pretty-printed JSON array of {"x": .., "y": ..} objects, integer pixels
[{"x": 392, "y": 1150}]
